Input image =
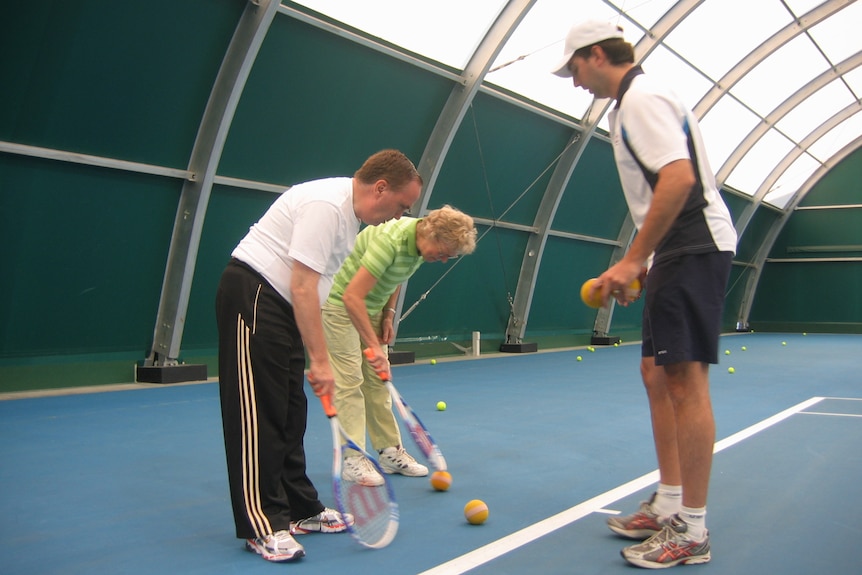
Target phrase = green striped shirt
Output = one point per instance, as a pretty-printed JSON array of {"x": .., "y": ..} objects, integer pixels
[{"x": 388, "y": 251}]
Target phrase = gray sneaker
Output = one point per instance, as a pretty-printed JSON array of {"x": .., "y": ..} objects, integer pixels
[
  {"x": 641, "y": 524},
  {"x": 279, "y": 546},
  {"x": 327, "y": 521},
  {"x": 670, "y": 546},
  {"x": 397, "y": 460}
]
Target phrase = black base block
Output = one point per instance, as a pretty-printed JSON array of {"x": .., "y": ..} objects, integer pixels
[
  {"x": 170, "y": 373},
  {"x": 604, "y": 340},
  {"x": 519, "y": 347},
  {"x": 400, "y": 357}
]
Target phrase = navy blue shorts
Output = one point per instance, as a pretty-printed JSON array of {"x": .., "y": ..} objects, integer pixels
[{"x": 684, "y": 306}]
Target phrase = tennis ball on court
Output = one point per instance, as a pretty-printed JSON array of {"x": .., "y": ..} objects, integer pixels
[
  {"x": 730, "y": 370},
  {"x": 783, "y": 343},
  {"x": 476, "y": 512},
  {"x": 727, "y": 352},
  {"x": 580, "y": 358},
  {"x": 441, "y": 406},
  {"x": 441, "y": 480},
  {"x": 744, "y": 348},
  {"x": 433, "y": 362},
  {"x": 591, "y": 348}
]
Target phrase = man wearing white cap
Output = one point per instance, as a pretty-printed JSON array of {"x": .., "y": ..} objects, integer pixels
[{"x": 682, "y": 254}]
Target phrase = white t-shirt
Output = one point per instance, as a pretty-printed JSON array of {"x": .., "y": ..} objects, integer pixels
[
  {"x": 651, "y": 122},
  {"x": 313, "y": 223}
]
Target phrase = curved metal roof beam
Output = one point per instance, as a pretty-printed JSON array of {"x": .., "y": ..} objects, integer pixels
[
  {"x": 763, "y": 51},
  {"x": 568, "y": 159},
  {"x": 463, "y": 93},
  {"x": 203, "y": 162},
  {"x": 782, "y": 110},
  {"x": 460, "y": 99},
  {"x": 775, "y": 230},
  {"x": 792, "y": 156}
]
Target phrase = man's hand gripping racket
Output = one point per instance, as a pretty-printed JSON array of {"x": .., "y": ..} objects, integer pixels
[
  {"x": 418, "y": 431},
  {"x": 373, "y": 507}
]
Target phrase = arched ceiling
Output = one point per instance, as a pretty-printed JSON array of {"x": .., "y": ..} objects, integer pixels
[
  {"x": 776, "y": 85},
  {"x": 774, "y": 82}
]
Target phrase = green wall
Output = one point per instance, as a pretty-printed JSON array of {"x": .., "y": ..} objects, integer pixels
[{"x": 86, "y": 246}]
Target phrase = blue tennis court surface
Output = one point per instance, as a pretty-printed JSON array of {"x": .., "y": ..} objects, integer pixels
[{"x": 133, "y": 482}]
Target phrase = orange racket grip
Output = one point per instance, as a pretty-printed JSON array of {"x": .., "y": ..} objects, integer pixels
[
  {"x": 369, "y": 355},
  {"x": 328, "y": 408}
]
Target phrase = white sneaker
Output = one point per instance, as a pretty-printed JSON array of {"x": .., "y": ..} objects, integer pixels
[
  {"x": 279, "y": 546},
  {"x": 397, "y": 460},
  {"x": 359, "y": 470},
  {"x": 327, "y": 521}
]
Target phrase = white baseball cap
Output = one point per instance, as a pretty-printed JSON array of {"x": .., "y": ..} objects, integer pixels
[{"x": 583, "y": 35}]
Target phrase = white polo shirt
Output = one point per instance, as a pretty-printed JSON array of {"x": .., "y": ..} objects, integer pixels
[
  {"x": 652, "y": 123},
  {"x": 313, "y": 223}
]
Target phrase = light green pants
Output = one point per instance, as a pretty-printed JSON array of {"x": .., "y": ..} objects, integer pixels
[{"x": 361, "y": 398}]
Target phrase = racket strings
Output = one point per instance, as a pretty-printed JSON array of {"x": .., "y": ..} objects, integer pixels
[{"x": 372, "y": 509}]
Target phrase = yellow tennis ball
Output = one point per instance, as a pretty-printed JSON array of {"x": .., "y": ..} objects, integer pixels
[
  {"x": 441, "y": 480},
  {"x": 441, "y": 406},
  {"x": 476, "y": 512},
  {"x": 593, "y": 300},
  {"x": 730, "y": 370},
  {"x": 633, "y": 292},
  {"x": 433, "y": 362},
  {"x": 580, "y": 358}
]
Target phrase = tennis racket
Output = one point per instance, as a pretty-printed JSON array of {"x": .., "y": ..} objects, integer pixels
[
  {"x": 417, "y": 429},
  {"x": 374, "y": 510}
]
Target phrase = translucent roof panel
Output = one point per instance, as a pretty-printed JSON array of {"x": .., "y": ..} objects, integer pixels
[
  {"x": 816, "y": 109},
  {"x": 720, "y": 33},
  {"x": 687, "y": 82},
  {"x": 723, "y": 128},
  {"x": 786, "y": 186},
  {"x": 525, "y": 61},
  {"x": 447, "y": 31},
  {"x": 838, "y": 36},
  {"x": 715, "y": 38},
  {"x": 753, "y": 169},
  {"x": 783, "y": 72},
  {"x": 836, "y": 138}
]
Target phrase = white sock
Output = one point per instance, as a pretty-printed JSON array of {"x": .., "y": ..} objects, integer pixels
[
  {"x": 668, "y": 499},
  {"x": 695, "y": 519}
]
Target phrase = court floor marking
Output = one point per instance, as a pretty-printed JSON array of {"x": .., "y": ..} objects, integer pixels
[{"x": 518, "y": 539}]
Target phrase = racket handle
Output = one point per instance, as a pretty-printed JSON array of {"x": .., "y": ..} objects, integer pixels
[
  {"x": 328, "y": 408},
  {"x": 369, "y": 355}
]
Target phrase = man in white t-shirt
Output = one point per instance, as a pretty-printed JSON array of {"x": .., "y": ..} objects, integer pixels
[
  {"x": 268, "y": 308},
  {"x": 682, "y": 254}
]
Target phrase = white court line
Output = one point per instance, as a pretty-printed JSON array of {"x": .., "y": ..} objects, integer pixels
[
  {"x": 830, "y": 414},
  {"x": 528, "y": 534}
]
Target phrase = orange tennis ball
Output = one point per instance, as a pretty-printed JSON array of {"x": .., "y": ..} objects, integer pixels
[
  {"x": 441, "y": 480},
  {"x": 634, "y": 290},
  {"x": 476, "y": 512},
  {"x": 594, "y": 300}
]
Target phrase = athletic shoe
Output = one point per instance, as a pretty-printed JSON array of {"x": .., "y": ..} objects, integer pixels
[
  {"x": 327, "y": 521},
  {"x": 397, "y": 460},
  {"x": 359, "y": 470},
  {"x": 670, "y": 546},
  {"x": 278, "y": 547},
  {"x": 641, "y": 524}
]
